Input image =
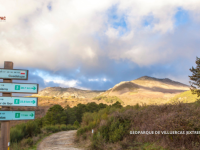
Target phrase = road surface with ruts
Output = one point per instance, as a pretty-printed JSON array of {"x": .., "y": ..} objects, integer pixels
[{"x": 59, "y": 141}]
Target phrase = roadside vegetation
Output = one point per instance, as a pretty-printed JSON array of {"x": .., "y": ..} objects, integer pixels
[
  {"x": 27, "y": 135},
  {"x": 113, "y": 124}
]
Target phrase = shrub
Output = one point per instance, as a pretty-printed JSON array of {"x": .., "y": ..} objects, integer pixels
[
  {"x": 76, "y": 124},
  {"x": 84, "y": 136},
  {"x": 32, "y": 128},
  {"x": 71, "y": 127},
  {"x": 63, "y": 127},
  {"x": 29, "y": 141},
  {"x": 99, "y": 97},
  {"x": 16, "y": 135},
  {"x": 52, "y": 128}
]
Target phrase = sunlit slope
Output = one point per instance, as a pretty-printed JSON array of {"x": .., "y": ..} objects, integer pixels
[
  {"x": 67, "y": 92},
  {"x": 147, "y": 90},
  {"x": 160, "y": 84},
  {"x": 185, "y": 97}
]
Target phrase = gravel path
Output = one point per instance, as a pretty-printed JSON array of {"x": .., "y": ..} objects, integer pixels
[{"x": 59, "y": 141}]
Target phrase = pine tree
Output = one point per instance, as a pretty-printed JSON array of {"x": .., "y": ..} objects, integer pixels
[{"x": 195, "y": 83}]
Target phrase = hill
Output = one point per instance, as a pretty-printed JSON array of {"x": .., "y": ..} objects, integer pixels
[
  {"x": 67, "y": 92},
  {"x": 147, "y": 90}
]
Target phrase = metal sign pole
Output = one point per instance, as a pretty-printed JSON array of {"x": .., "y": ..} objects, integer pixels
[{"x": 5, "y": 125}]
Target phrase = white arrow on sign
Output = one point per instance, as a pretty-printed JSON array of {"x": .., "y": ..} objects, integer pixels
[
  {"x": 19, "y": 88},
  {"x": 17, "y": 115},
  {"x": 18, "y": 101}
]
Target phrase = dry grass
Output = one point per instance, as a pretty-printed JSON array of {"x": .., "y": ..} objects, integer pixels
[
  {"x": 178, "y": 117},
  {"x": 167, "y": 117}
]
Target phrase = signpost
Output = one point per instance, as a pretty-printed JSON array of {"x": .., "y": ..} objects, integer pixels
[
  {"x": 19, "y": 88},
  {"x": 18, "y": 101},
  {"x": 17, "y": 115},
  {"x": 7, "y": 87},
  {"x": 14, "y": 74}
]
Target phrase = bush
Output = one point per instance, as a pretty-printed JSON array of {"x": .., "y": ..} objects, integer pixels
[
  {"x": 16, "y": 135},
  {"x": 29, "y": 141},
  {"x": 55, "y": 115},
  {"x": 32, "y": 128},
  {"x": 99, "y": 97},
  {"x": 71, "y": 127},
  {"x": 52, "y": 128},
  {"x": 63, "y": 127},
  {"x": 76, "y": 124}
]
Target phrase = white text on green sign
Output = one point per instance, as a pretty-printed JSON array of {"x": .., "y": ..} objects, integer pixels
[
  {"x": 19, "y": 88},
  {"x": 18, "y": 101},
  {"x": 17, "y": 115},
  {"x": 13, "y": 74}
]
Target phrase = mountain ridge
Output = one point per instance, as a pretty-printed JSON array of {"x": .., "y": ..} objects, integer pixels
[
  {"x": 165, "y": 80},
  {"x": 144, "y": 84}
]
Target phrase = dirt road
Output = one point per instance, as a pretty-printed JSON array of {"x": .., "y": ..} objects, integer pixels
[{"x": 59, "y": 141}]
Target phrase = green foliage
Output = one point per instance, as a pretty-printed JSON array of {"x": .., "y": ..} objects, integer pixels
[
  {"x": 76, "y": 113},
  {"x": 112, "y": 99},
  {"x": 29, "y": 141},
  {"x": 55, "y": 115},
  {"x": 99, "y": 97},
  {"x": 16, "y": 134},
  {"x": 76, "y": 123},
  {"x": 114, "y": 130},
  {"x": 195, "y": 78},
  {"x": 136, "y": 106},
  {"x": 63, "y": 127},
  {"x": 56, "y": 108},
  {"x": 145, "y": 146},
  {"x": 84, "y": 136},
  {"x": 23, "y": 130},
  {"x": 71, "y": 127},
  {"x": 51, "y": 128},
  {"x": 117, "y": 105},
  {"x": 113, "y": 125},
  {"x": 185, "y": 97},
  {"x": 32, "y": 128},
  {"x": 56, "y": 119},
  {"x": 109, "y": 99}
]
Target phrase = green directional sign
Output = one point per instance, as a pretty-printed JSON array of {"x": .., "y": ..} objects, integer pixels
[
  {"x": 15, "y": 74},
  {"x": 18, "y": 101},
  {"x": 19, "y": 88},
  {"x": 17, "y": 115}
]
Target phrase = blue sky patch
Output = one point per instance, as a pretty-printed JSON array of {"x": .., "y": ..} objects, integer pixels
[
  {"x": 149, "y": 21},
  {"x": 117, "y": 20},
  {"x": 49, "y": 6},
  {"x": 181, "y": 17}
]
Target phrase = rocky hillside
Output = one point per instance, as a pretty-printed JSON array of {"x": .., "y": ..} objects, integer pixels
[
  {"x": 146, "y": 90},
  {"x": 67, "y": 92},
  {"x": 149, "y": 84}
]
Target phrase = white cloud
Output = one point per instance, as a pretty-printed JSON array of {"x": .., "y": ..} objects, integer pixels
[
  {"x": 98, "y": 79},
  {"x": 66, "y": 36},
  {"x": 64, "y": 83},
  {"x": 57, "y": 80}
]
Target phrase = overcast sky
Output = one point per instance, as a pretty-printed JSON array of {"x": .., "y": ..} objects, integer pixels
[{"x": 94, "y": 45}]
